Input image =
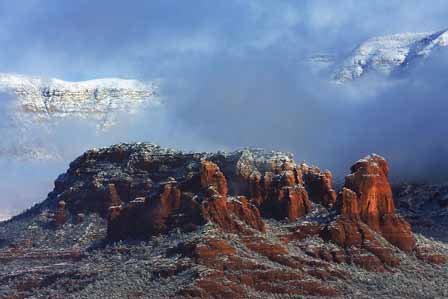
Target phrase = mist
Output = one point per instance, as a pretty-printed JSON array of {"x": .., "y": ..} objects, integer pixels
[{"x": 234, "y": 75}]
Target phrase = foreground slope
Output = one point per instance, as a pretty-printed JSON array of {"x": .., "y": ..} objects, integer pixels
[{"x": 141, "y": 221}]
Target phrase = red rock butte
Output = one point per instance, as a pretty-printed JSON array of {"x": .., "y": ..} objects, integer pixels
[
  {"x": 160, "y": 189},
  {"x": 144, "y": 190}
]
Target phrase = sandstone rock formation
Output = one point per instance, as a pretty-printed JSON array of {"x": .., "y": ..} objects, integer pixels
[
  {"x": 198, "y": 197},
  {"x": 274, "y": 182},
  {"x": 244, "y": 224},
  {"x": 367, "y": 196},
  {"x": 319, "y": 185},
  {"x": 154, "y": 190},
  {"x": 364, "y": 214},
  {"x": 183, "y": 190}
]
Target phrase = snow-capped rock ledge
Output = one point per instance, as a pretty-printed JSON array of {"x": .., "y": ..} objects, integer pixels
[
  {"x": 389, "y": 54},
  {"x": 42, "y": 99}
]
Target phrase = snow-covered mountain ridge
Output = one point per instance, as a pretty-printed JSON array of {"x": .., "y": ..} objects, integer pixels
[
  {"x": 33, "y": 108},
  {"x": 4, "y": 216},
  {"x": 42, "y": 99},
  {"x": 389, "y": 54}
]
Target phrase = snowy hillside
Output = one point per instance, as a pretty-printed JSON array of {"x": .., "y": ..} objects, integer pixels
[
  {"x": 33, "y": 107},
  {"x": 389, "y": 54},
  {"x": 42, "y": 99},
  {"x": 4, "y": 216}
]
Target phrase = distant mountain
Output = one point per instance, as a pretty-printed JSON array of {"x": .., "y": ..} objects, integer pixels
[
  {"x": 42, "y": 99},
  {"x": 389, "y": 55},
  {"x": 35, "y": 102},
  {"x": 4, "y": 216}
]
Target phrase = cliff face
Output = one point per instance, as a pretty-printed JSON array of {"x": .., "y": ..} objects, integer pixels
[
  {"x": 372, "y": 202},
  {"x": 158, "y": 190},
  {"x": 319, "y": 185},
  {"x": 237, "y": 224}
]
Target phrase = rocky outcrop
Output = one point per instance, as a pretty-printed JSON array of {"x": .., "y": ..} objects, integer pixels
[
  {"x": 233, "y": 272},
  {"x": 319, "y": 185},
  {"x": 347, "y": 205},
  {"x": 364, "y": 214},
  {"x": 204, "y": 220},
  {"x": 273, "y": 182},
  {"x": 211, "y": 176},
  {"x": 199, "y": 196},
  {"x": 369, "y": 180},
  {"x": 367, "y": 196},
  {"x": 146, "y": 190}
]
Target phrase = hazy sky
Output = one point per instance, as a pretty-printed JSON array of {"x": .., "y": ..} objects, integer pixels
[
  {"x": 234, "y": 75},
  {"x": 85, "y": 39}
]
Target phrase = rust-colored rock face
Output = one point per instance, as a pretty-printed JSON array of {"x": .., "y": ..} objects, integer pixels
[
  {"x": 295, "y": 202},
  {"x": 369, "y": 180},
  {"x": 361, "y": 244},
  {"x": 236, "y": 274},
  {"x": 211, "y": 176},
  {"x": 247, "y": 212},
  {"x": 367, "y": 196},
  {"x": 220, "y": 209},
  {"x": 398, "y": 232},
  {"x": 364, "y": 213},
  {"x": 347, "y": 204},
  {"x": 319, "y": 185},
  {"x": 275, "y": 185},
  {"x": 202, "y": 197},
  {"x": 165, "y": 190}
]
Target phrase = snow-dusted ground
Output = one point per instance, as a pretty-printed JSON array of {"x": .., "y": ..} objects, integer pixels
[{"x": 389, "y": 54}]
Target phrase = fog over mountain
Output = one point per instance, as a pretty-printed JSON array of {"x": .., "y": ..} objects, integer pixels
[{"x": 234, "y": 74}]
